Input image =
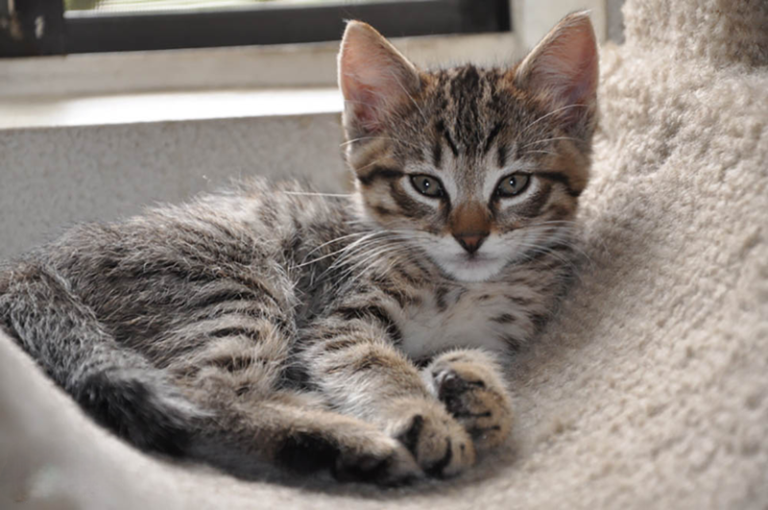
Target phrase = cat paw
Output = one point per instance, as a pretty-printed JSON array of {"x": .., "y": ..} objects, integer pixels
[
  {"x": 440, "y": 445},
  {"x": 470, "y": 385},
  {"x": 375, "y": 458},
  {"x": 353, "y": 451}
]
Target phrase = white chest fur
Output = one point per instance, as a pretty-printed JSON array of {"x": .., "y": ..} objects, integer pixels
[{"x": 491, "y": 316}]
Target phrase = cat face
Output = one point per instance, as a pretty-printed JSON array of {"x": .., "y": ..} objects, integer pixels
[{"x": 475, "y": 167}]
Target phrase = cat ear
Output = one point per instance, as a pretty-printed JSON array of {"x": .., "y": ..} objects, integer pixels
[
  {"x": 563, "y": 68},
  {"x": 374, "y": 78}
]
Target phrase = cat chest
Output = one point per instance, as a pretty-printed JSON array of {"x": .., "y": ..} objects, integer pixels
[{"x": 493, "y": 319}]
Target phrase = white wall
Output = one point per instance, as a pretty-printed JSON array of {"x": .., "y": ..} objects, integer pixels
[{"x": 50, "y": 178}]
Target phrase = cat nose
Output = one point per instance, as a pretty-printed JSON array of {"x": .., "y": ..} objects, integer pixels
[{"x": 471, "y": 241}]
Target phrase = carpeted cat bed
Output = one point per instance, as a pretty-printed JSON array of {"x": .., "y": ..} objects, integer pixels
[{"x": 650, "y": 391}]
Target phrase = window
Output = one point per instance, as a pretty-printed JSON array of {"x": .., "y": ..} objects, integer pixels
[{"x": 55, "y": 27}]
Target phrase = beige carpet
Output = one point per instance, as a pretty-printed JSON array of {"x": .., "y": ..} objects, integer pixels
[{"x": 650, "y": 391}]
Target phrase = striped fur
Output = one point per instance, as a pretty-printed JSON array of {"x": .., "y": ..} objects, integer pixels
[{"x": 273, "y": 326}]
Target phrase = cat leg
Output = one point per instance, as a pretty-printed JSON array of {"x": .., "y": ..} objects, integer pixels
[
  {"x": 248, "y": 441},
  {"x": 115, "y": 385},
  {"x": 471, "y": 385},
  {"x": 256, "y": 424},
  {"x": 358, "y": 370}
]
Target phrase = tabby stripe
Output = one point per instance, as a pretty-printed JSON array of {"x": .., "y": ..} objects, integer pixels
[
  {"x": 437, "y": 154},
  {"x": 520, "y": 301},
  {"x": 504, "y": 318},
  {"x": 558, "y": 212},
  {"x": 513, "y": 343},
  {"x": 408, "y": 206},
  {"x": 232, "y": 363},
  {"x": 533, "y": 207},
  {"x": 563, "y": 179},
  {"x": 330, "y": 332},
  {"x": 440, "y": 294},
  {"x": 389, "y": 287},
  {"x": 403, "y": 272},
  {"x": 542, "y": 254},
  {"x": 152, "y": 271},
  {"x": 501, "y": 156},
  {"x": 452, "y": 145},
  {"x": 340, "y": 344},
  {"x": 421, "y": 267},
  {"x": 234, "y": 294},
  {"x": 383, "y": 211},
  {"x": 440, "y": 127},
  {"x": 251, "y": 333},
  {"x": 224, "y": 295},
  {"x": 368, "y": 362},
  {"x": 398, "y": 296},
  {"x": 491, "y": 137},
  {"x": 271, "y": 317},
  {"x": 376, "y": 312},
  {"x": 197, "y": 237},
  {"x": 379, "y": 172}
]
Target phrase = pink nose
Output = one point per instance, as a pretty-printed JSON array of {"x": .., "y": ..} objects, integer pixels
[{"x": 471, "y": 241}]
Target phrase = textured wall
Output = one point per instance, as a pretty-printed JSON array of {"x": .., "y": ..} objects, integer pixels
[{"x": 50, "y": 178}]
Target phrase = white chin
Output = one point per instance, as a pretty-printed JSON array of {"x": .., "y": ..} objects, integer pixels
[{"x": 475, "y": 269}]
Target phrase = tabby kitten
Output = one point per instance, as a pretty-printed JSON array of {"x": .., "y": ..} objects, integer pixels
[{"x": 275, "y": 327}]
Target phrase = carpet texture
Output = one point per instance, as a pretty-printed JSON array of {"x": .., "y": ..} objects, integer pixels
[{"x": 651, "y": 388}]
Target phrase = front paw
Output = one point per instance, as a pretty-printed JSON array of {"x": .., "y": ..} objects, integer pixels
[
  {"x": 470, "y": 385},
  {"x": 439, "y": 444}
]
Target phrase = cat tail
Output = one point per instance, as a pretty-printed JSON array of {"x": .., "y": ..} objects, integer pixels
[{"x": 114, "y": 385}]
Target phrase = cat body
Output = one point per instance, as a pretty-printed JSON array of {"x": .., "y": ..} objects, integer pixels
[{"x": 276, "y": 326}]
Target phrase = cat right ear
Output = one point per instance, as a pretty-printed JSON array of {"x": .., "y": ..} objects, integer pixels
[
  {"x": 374, "y": 78},
  {"x": 563, "y": 68}
]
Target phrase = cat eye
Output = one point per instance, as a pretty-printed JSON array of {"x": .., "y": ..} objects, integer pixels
[
  {"x": 428, "y": 185},
  {"x": 512, "y": 185}
]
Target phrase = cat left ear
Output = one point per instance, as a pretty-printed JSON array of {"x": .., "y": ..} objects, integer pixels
[
  {"x": 563, "y": 68},
  {"x": 374, "y": 78}
]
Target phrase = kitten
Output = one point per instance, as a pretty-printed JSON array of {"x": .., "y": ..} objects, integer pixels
[{"x": 273, "y": 327}]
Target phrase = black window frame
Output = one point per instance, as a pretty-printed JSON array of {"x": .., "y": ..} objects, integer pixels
[{"x": 39, "y": 27}]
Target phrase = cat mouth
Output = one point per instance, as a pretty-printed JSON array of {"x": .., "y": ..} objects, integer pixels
[
  {"x": 473, "y": 259},
  {"x": 473, "y": 267}
]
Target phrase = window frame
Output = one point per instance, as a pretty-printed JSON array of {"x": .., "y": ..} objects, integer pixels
[{"x": 85, "y": 32}]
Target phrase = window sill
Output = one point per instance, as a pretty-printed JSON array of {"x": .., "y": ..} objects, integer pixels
[
  {"x": 68, "y": 111},
  {"x": 247, "y": 67},
  {"x": 197, "y": 84}
]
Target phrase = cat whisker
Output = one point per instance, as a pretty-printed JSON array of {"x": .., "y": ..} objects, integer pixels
[
  {"x": 317, "y": 194},
  {"x": 538, "y": 249},
  {"x": 361, "y": 138},
  {"x": 350, "y": 269},
  {"x": 347, "y": 252},
  {"x": 326, "y": 256},
  {"x": 550, "y": 249},
  {"x": 540, "y": 152},
  {"x": 355, "y": 269},
  {"x": 549, "y": 140},
  {"x": 354, "y": 251},
  {"x": 554, "y": 112},
  {"x": 335, "y": 240}
]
